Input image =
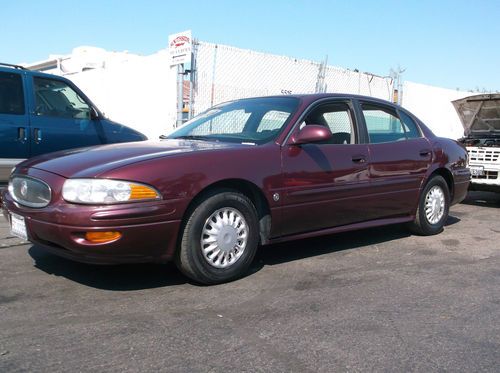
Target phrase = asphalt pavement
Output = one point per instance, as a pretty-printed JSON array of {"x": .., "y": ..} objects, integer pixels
[{"x": 373, "y": 300}]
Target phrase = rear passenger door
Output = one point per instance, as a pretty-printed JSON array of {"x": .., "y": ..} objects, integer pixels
[
  {"x": 61, "y": 118},
  {"x": 14, "y": 121},
  {"x": 399, "y": 159}
]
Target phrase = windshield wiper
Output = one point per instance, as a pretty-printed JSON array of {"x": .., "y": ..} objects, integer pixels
[
  {"x": 185, "y": 137},
  {"x": 193, "y": 137}
]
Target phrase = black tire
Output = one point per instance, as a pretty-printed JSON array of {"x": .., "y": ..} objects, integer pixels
[
  {"x": 190, "y": 258},
  {"x": 422, "y": 225}
]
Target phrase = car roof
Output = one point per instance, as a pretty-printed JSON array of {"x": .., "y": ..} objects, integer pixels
[
  {"x": 6, "y": 67},
  {"x": 310, "y": 97},
  {"x": 12, "y": 66}
]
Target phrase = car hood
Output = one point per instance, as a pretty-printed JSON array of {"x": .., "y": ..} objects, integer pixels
[
  {"x": 93, "y": 161},
  {"x": 479, "y": 114}
]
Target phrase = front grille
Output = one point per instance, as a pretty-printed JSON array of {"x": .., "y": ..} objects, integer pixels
[
  {"x": 484, "y": 155},
  {"x": 488, "y": 175},
  {"x": 28, "y": 191}
]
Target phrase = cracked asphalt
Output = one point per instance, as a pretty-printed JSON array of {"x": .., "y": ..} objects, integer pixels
[{"x": 373, "y": 300}]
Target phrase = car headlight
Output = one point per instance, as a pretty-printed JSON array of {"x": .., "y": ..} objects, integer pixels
[{"x": 106, "y": 191}]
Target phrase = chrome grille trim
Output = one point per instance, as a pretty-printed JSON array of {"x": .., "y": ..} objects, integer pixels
[
  {"x": 483, "y": 154},
  {"x": 489, "y": 175}
]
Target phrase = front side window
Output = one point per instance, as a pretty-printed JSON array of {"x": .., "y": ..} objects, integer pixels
[
  {"x": 337, "y": 117},
  {"x": 382, "y": 124},
  {"x": 255, "y": 120},
  {"x": 11, "y": 94},
  {"x": 55, "y": 98}
]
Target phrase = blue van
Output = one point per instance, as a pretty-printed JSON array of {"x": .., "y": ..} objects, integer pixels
[{"x": 42, "y": 113}]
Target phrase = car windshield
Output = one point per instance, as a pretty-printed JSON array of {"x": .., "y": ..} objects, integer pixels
[{"x": 255, "y": 120}]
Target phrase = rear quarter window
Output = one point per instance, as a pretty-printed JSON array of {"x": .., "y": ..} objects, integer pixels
[{"x": 411, "y": 128}]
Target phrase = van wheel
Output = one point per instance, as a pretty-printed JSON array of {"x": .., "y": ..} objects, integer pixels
[
  {"x": 433, "y": 208},
  {"x": 220, "y": 239}
]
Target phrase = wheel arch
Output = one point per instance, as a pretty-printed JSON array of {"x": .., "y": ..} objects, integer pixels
[
  {"x": 447, "y": 176},
  {"x": 245, "y": 187}
]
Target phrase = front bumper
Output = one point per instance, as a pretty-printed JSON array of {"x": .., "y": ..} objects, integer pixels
[
  {"x": 149, "y": 230},
  {"x": 489, "y": 180},
  {"x": 488, "y": 159}
]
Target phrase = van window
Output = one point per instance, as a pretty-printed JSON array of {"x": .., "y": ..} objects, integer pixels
[
  {"x": 55, "y": 98},
  {"x": 11, "y": 94}
]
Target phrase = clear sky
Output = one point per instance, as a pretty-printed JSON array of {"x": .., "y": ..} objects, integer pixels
[{"x": 447, "y": 43}]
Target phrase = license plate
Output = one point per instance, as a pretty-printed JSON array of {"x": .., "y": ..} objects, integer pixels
[
  {"x": 477, "y": 170},
  {"x": 18, "y": 227}
]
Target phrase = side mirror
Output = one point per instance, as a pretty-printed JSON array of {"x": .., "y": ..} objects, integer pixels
[{"x": 312, "y": 133}]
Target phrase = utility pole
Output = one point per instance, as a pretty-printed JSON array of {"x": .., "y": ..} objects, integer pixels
[
  {"x": 180, "y": 94},
  {"x": 396, "y": 75},
  {"x": 320, "y": 80}
]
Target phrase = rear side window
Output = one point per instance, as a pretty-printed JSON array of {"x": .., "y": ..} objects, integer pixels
[
  {"x": 11, "y": 94},
  {"x": 382, "y": 124},
  {"x": 409, "y": 125}
]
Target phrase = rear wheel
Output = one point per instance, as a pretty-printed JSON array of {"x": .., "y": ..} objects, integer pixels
[
  {"x": 433, "y": 207},
  {"x": 219, "y": 239}
]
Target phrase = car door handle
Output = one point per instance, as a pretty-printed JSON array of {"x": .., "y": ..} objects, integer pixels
[
  {"x": 21, "y": 134},
  {"x": 359, "y": 158},
  {"x": 37, "y": 132},
  {"x": 425, "y": 152}
]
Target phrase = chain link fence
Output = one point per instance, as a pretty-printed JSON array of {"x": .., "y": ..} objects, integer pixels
[{"x": 226, "y": 73}]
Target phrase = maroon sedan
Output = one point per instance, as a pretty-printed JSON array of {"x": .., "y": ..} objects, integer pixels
[{"x": 242, "y": 174}]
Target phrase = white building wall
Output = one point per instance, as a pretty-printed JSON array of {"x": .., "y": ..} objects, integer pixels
[
  {"x": 137, "y": 91},
  {"x": 433, "y": 106},
  {"x": 140, "y": 93}
]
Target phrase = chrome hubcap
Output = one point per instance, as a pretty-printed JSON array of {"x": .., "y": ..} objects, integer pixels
[
  {"x": 434, "y": 204},
  {"x": 224, "y": 237}
]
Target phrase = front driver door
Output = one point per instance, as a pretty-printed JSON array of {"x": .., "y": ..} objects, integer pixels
[{"x": 325, "y": 184}]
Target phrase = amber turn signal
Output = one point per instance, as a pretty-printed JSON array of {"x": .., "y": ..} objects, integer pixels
[
  {"x": 142, "y": 192},
  {"x": 102, "y": 237}
]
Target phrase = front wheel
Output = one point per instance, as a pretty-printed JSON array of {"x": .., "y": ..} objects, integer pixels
[
  {"x": 433, "y": 207},
  {"x": 219, "y": 239}
]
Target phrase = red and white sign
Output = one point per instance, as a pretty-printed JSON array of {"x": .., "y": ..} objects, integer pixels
[{"x": 180, "y": 46}]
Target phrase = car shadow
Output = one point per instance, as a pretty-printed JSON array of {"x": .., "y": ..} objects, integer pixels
[
  {"x": 125, "y": 277},
  {"x": 451, "y": 220},
  {"x": 129, "y": 277},
  {"x": 310, "y": 247},
  {"x": 483, "y": 199}
]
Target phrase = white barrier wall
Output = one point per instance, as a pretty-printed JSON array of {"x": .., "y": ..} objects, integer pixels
[
  {"x": 141, "y": 92},
  {"x": 433, "y": 106},
  {"x": 227, "y": 73}
]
